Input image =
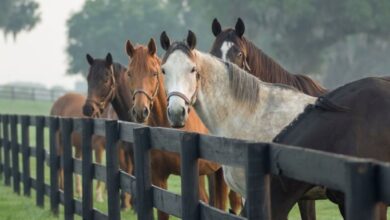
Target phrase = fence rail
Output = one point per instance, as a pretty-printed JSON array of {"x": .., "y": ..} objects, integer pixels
[
  {"x": 30, "y": 93},
  {"x": 258, "y": 159}
]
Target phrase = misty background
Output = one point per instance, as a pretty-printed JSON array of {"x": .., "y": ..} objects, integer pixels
[{"x": 332, "y": 41}]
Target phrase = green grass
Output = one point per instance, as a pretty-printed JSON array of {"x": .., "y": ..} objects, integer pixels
[{"x": 13, "y": 206}]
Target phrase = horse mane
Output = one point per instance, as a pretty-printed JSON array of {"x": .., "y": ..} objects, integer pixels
[
  {"x": 268, "y": 70},
  {"x": 244, "y": 87},
  {"x": 119, "y": 68}
]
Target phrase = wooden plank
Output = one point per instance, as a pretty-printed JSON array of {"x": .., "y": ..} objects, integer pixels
[
  {"x": 77, "y": 166},
  {"x": 126, "y": 130},
  {"x": 210, "y": 213},
  {"x": 26, "y": 155},
  {"x": 189, "y": 176},
  {"x": 78, "y": 207},
  {"x": 15, "y": 154},
  {"x": 165, "y": 139},
  {"x": 99, "y": 172},
  {"x": 167, "y": 202},
  {"x": 361, "y": 191},
  {"x": 112, "y": 165},
  {"x": 6, "y": 148},
  {"x": 40, "y": 170},
  {"x": 54, "y": 165},
  {"x": 87, "y": 169},
  {"x": 144, "y": 193},
  {"x": 98, "y": 215},
  {"x": 127, "y": 182},
  {"x": 99, "y": 127},
  {"x": 223, "y": 150},
  {"x": 309, "y": 165},
  {"x": 383, "y": 180},
  {"x": 77, "y": 125},
  {"x": 258, "y": 201},
  {"x": 66, "y": 130}
]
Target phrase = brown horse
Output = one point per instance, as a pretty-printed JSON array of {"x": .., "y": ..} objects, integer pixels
[
  {"x": 107, "y": 84},
  {"x": 231, "y": 45},
  {"x": 150, "y": 104},
  {"x": 360, "y": 128},
  {"x": 71, "y": 105}
]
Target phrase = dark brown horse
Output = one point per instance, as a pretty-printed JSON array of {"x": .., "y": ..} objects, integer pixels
[
  {"x": 360, "y": 128},
  {"x": 107, "y": 84},
  {"x": 231, "y": 45},
  {"x": 150, "y": 107},
  {"x": 71, "y": 105}
]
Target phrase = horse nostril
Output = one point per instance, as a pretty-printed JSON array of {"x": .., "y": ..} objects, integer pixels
[
  {"x": 133, "y": 111},
  {"x": 87, "y": 110},
  {"x": 146, "y": 112},
  {"x": 183, "y": 112}
]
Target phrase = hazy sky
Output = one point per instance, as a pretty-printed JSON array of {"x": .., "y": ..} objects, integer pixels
[{"x": 39, "y": 56}]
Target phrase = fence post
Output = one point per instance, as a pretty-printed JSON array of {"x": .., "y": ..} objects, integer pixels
[
  {"x": 258, "y": 182},
  {"x": 26, "y": 155},
  {"x": 144, "y": 192},
  {"x": 112, "y": 181},
  {"x": 54, "y": 165},
  {"x": 87, "y": 168},
  {"x": 66, "y": 138},
  {"x": 189, "y": 176},
  {"x": 7, "y": 169},
  {"x": 360, "y": 191},
  {"x": 40, "y": 186},
  {"x": 15, "y": 153}
]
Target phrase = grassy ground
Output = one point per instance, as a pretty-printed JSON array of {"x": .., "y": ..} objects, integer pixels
[{"x": 13, "y": 206}]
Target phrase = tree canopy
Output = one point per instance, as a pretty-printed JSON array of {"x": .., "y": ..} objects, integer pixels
[
  {"x": 301, "y": 34},
  {"x": 18, "y": 15}
]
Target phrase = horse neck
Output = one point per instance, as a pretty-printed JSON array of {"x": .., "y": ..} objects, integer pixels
[
  {"x": 264, "y": 66},
  {"x": 158, "y": 115},
  {"x": 224, "y": 115},
  {"x": 122, "y": 100}
]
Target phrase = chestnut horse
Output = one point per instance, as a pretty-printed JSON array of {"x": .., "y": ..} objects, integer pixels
[
  {"x": 231, "y": 45},
  {"x": 149, "y": 106},
  {"x": 71, "y": 105},
  {"x": 107, "y": 84}
]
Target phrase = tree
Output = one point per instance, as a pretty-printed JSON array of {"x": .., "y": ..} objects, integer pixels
[{"x": 18, "y": 15}]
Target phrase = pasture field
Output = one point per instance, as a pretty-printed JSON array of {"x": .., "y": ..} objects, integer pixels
[{"x": 13, "y": 206}]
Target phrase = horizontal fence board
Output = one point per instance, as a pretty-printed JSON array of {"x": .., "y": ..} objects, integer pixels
[
  {"x": 78, "y": 207},
  {"x": 98, "y": 215},
  {"x": 127, "y": 182},
  {"x": 165, "y": 139},
  {"x": 99, "y": 127},
  {"x": 210, "y": 213},
  {"x": 77, "y": 125},
  {"x": 384, "y": 182},
  {"x": 223, "y": 150},
  {"x": 126, "y": 130},
  {"x": 167, "y": 201},
  {"x": 99, "y": 172}
]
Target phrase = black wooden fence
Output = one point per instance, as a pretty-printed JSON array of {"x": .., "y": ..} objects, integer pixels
[
  {"x": 364, "y": 182},
  {"x": 30, "y": 93}
]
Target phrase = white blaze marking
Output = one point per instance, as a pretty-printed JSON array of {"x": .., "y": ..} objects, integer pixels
[{"x": 225, "y": 49}]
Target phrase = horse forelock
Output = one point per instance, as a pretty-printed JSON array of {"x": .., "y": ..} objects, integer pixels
[{"x": 181, "y": 46}]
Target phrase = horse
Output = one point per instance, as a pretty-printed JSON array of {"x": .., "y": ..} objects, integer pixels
[
  {"x": 149, "y": 107},
  {"x": 107, "y": 84},
  {"x": 231, "y": 45},
  {"x": 212, "y": 87},
  {"x": 71, "y": 105}
]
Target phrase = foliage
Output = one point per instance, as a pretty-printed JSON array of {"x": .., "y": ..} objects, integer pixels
[
  {"x": 18, "y": 15},
  {"x": 298, "y": 33}
]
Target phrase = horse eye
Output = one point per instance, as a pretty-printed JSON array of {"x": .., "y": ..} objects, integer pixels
[
  {"x": 163, "y": 71},
  {"x": 193, "y": 69},
  {"x": 239, "y": 54}
]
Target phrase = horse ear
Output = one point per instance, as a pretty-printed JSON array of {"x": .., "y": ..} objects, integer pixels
[
  {"x": 152, "y": 47},
  {"x": 216, "y": 27},
  {"x": 240, "y": 27},
  {"x": 109, "y": 59},
  {"x": 191, "y": 39},
  {"x": 164, "y": 41},
  {"x": 129, "y": 48},
  {"x": 90, "y": 59}
]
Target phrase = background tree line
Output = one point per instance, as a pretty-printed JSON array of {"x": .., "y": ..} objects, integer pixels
[{"x": 335, "y": 41}]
